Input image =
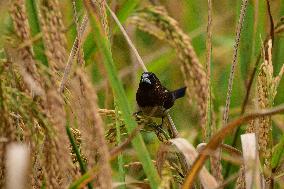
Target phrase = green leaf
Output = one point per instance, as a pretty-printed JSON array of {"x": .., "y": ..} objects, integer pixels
[
  {"x": 126, "y": 9},
  {"x": 277, "y": 153},
  {"x": 138, "y": 143},
  {"x": 38, "y": 46},
  {"x": 278, "y": 57},
  {"x": 83, "y": 168},
  {"x": 120, "y": 156}
]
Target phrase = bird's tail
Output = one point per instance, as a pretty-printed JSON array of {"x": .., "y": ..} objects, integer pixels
[{"x": 179, "y": 92}]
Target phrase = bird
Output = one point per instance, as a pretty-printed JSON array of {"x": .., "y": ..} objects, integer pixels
[{"x": 153, "y": 99}]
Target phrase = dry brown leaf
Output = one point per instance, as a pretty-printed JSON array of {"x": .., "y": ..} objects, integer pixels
[
  {"x": 190, "y": 154},
  {"x": 219, "y": 137},
  {"x": 251, "y": 161}
]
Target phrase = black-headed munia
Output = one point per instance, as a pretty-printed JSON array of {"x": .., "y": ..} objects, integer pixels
[{"x": 153, "y": 98}]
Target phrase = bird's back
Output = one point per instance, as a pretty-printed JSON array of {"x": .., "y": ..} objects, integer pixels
[
  {"x": 154, "y": 102},
  {"x": 153, "y": 98}
]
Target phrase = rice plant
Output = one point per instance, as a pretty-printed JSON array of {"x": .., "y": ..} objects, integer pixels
[{"x": 70, "y": 71}]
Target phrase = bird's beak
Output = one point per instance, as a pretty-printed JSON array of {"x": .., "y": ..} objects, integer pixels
[{"x": 146, "y": 80}]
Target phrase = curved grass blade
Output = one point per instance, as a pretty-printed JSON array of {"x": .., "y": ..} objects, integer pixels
[
  {"x": 138, "y": 143},
  {"x": 219, "y": 137}
]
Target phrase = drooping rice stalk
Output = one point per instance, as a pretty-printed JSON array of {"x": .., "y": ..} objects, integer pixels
[
  {"x": 52, "y": 27},
  {"x": 157, "y": 22},
  {"x": 267, "y": 86}
]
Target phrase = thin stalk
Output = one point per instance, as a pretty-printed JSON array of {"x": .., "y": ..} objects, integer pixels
[
  {"x": 208, "y": 66},
  {"x": 247, "y": 47},
  {"x": 128, "y": 39},
  {"x": 140, "y": 61},
  {"x": 75, "y": 48},
  {"x": 234, "y": 61},
  {"x": 138, "y": 143},
  {"x": 120, "y": 156},
  {"x": 83, "y": 168},
  {"x": 259, "y": 15},
  {"x": 118, "y": 149},
  {"x": 126, "y": 9}
]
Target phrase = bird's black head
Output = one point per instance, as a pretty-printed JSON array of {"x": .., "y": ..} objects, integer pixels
[{"x": 149, "y": 79}]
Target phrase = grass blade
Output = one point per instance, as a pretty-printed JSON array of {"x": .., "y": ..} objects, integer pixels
[
  {"x": 120, "y": 157},
  {"x": 35, "y": 30},
  {"x": 277, "y": 153},
  {"x": 278, "y": 58},
  {"x": 123, "y": 105},
  {"x": 77, "y": 152},
  {"x": 126, "y": 9}
]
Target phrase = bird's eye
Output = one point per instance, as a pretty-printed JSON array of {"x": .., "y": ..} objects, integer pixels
[{"x": 152, "y": 78}]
